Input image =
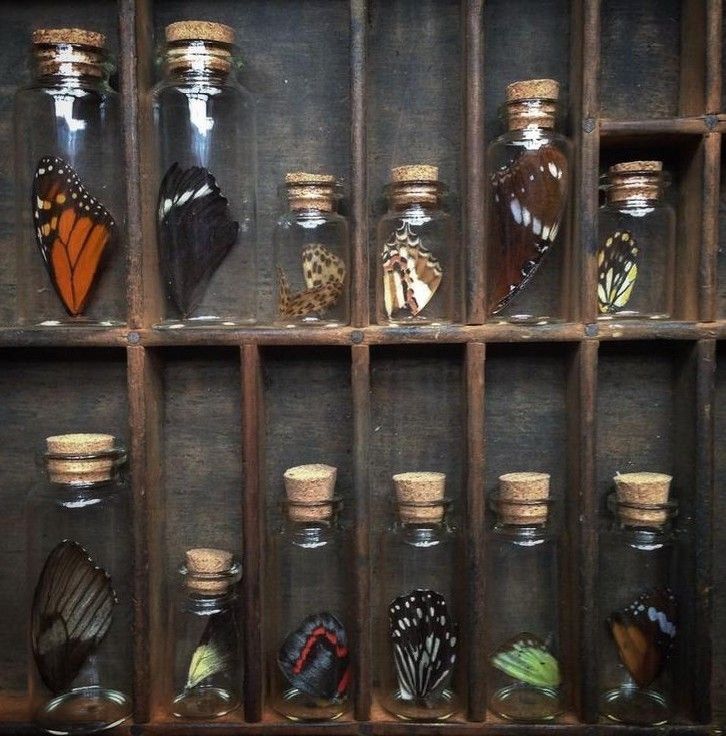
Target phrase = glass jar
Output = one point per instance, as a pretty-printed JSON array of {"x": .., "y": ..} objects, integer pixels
[
  {"x": 418, "y": 271},
  {"x": 416, "y": 619},
  {"x": 79, "y": 562},
  {"x": 69, "y": 185},
  {"x": 206, "y": 213},
  {"x": 523, "y": 599},
  {"x": 636, "y": 603},
  {"x": 312, "y": 257},
  {"x": 207, "y": 654},
  {"x": 636, "y": 254},
  {"x": 529, "y": 182},
  {"x": 309, "y": 669}
]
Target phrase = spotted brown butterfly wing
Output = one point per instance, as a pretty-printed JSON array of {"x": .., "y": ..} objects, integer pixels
[
  {"x": 72, "y": 230},
  {"x": 528, "y": 202},
  {"x": 644, "y": 633},
  {"x": 617, "y": 270},
  {"x": 70, "y": 615}
]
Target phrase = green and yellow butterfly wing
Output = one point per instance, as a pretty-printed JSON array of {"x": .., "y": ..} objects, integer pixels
[
  {"x": 216, "y": 651},
  {"x": 527, "y": 659}
]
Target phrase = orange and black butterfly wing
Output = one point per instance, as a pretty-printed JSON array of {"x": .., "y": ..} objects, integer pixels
[
  {"x": 72, "y": 229},
  {"x": 528, "y": 202}
]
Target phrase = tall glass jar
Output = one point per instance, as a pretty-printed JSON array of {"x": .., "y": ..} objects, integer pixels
[
  {"x": 206, "y": 212},
  {"x": 636, "y": 602},
  {"x": 636, "y": 253},
  {"x": 418, "y": 269},
  {"x": 207, "y": 655},
  {"x": 69, "y": 185},
  {"x": 312, "y": 256},
  {"x": 523, "y": 599},
  {"x": 529, "y": 183},
  {"x": 79, "y": 562},
  {"x": 309, "y": 667},
  {"x": 416, "y": 618}
]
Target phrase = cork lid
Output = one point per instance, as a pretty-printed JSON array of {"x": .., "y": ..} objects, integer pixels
[
  {"x": 532, "y": 89},
  {"x": 636, "y": 167},
  {"x": 420, "y": 496},
  {"x": 414, "y": 173},
  {"x": 309, "y": 490},
  {"x": 210, "y": 571},
  {"x": 642, "y": 498},
  {"x": 523, "y": 498},
  {"x": 306, "y": 190},
  {"x": 305, "y": 178},
  {"x": 199, "y": 30},
  {"x": 78, "y": 36},
  {"x": 81, "y": 458}
]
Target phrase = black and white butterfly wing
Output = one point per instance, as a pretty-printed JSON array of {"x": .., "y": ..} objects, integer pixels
[
  {"x": 314, "y": 658},
  {"x": 424, "y": 644},
  {"x": 195, "y": 231},
  {"x": 216, "y": 651},
  {"x": 70, "y": 615},
  {"x": 617, "y": 270}
]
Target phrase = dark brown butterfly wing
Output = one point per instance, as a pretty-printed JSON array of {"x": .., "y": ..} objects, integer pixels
[
  {"x": 71, "y": 613},
  {"x": 644, "y": 633},
  {"x": 528, "y": 202},
  {"x": 72, "y": 230}
]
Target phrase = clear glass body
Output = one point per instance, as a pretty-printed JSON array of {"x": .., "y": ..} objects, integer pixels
[
  {"x": 207, "y": 659},
  {"x": 528, "y": 192},
  {"x": 310, "y": 576},
  {"x": 306, "y": 241},
  {"x": 633, "y": 561},
  {"x": 413, "y": 557},
  {"x": 424, "y": 288},
  {"x": 641, "y": 230},
  {"x": 73, "y": 116},
  {"x": 523, "y": 598},
  {"x": 96, "y": 516},
  {"x": 205, "y": 118}
]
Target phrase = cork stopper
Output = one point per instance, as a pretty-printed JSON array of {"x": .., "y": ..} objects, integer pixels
[
  {"x": 635, "y": 180},
  {"x": 199, "y": 30},
  {"x": 415, "y": 184},
  {"x": 532, "y": 103},
  {"x": 310, "y": 191},
  {"x": 638, "y": 494},
  {"x": 71, "y": 460},
  {"x": 414, "y": 173},
  {"x": 70, "y": 36},
  {"x": 636, "y": 166},
  {"x": 420, "y": 496},
  {"x": 519, "y": 494},
  {"x": 309, "y": 491},
  {"x": 533, "y": 89},
  {"x": 208, "y": 570}
]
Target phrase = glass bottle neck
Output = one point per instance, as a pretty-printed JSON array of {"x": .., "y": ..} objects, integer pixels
[
  {"x": 69, "y": 65},
  {"x": 206, "y": 604},
  {"x": 517, "y": 532},
  {"x": 200, "y": 62},
  {"x": 310, "y": 534},
  {"x": 421, "y": 534}
]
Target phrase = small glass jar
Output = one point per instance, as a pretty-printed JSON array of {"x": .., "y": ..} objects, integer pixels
[
  {"x": 636, "y": 603},
  {"x": 309, "y": 669},
  {"x": 312, "y": 257},
  {"x": 207, "y": 653},
  {"x": 206, "y": 213},
  {"x": 69, "y": 185},
  {"x": 79, "y": 562},
  {"x": 523, "y": 598},
  {"x": 416, "y": 619},
  {"x": 529, "y": 183},
  {"x": 418, "y": 269},
  {"x": 636, "y": 252}
]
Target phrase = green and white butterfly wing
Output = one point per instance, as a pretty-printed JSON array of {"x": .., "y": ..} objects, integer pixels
[
  {"x": 527, "y": 659},
  {"x": 216, "y": 651}
]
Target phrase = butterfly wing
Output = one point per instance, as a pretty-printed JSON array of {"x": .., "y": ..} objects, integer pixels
[
  {"x": 411, "y": 274},
  {"x": 644, "y": 633},
  {"x": 216, "y": 651},
  {"x": 72, "y": 230},
  {"x": 314, "y": 658},
  {"x": 70, "y": 615},
  {"x": 424, "y": 644},
  {"x": 527, "y": 659},
  {"x": 528, "y": 202},
  {"x": 195, "y": 231},
  {"x": 617, "y": 270}
]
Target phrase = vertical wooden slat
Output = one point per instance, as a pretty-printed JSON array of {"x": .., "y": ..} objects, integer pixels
[
  {"x": 694, "y": 52},
  {"x": 359, "y": 174},
  {"x": 474, "y": 210},
  {"x": 707, "y": 272},
  {"x": 145, "y": 420},
  {"x": 475, "y": 517},
  {"x": 360, "y": 379},
  {"x": 714, "y": 33},
  {"x": 253, "y": 534}
]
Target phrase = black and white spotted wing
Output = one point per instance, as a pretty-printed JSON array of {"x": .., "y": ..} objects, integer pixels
[{"x": 424, "y": 644}]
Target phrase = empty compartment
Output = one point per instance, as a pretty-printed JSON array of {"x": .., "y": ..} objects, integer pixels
[
  {"x": 721, "y": 257},
  {"x": 718, "y": 616}
]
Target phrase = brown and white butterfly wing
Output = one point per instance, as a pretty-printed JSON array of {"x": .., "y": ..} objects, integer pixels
[
  {"x": 528, "y": 203},
  {"x": 617, "y": 270},
  {"x": 321, "y": 266}
]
